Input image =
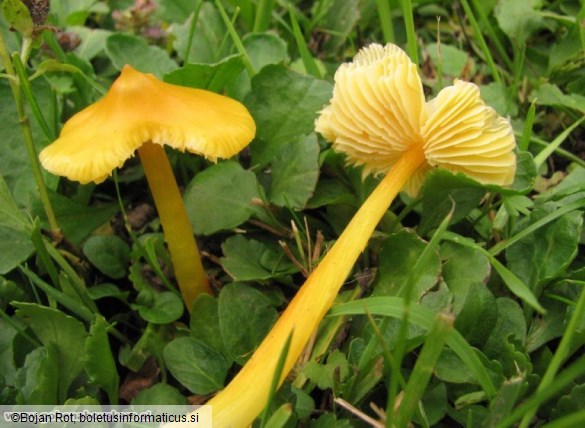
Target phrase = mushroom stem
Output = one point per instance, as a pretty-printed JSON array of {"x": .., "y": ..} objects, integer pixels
[
  {"x": 176, "y": 225},
  {"x": 246, "y": 395}
]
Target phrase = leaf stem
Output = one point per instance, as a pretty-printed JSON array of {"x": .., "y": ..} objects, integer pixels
[{"x": 24, "y": 123}]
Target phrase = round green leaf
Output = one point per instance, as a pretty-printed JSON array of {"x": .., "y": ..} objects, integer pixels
[
  {"x": 18, "y": 16},
  {"x": 110, "y": 254},
  {"x": 295, "y": 172},
  {"x": 245, "y": 317},
  {"x": 160, "y": 393},
  {"x": 195, "y": 365},
  {"x": 220, "y": 198},
  {"x": 125, "y": 49},
  {"x": 167, "y": 308}
]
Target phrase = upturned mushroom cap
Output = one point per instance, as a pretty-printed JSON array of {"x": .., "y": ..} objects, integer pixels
[
  {"x": 139, "y": 108},
  {"x": 378, "y": 111}
]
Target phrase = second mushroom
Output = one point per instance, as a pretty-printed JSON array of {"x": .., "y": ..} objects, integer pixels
[
  {"x": 379, "y": 118},
  {"x": 141, "y": 113}
]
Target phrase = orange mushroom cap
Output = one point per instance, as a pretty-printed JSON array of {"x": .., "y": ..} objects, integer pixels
[
  {"x": 378, "y": 112},
  {"x": 139, "y": 108}
]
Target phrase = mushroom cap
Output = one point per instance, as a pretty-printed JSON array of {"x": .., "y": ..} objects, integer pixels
[
  {"x": 139, "y": 108},
  {"x": 378, "y": 112}
]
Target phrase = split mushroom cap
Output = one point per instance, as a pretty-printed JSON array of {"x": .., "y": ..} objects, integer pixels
[
  {"x": 378, "y": 112},
  {"x": 140, "y": 108}
]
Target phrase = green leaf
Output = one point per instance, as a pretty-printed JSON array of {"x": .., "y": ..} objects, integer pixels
[
  {"x": 327, "y": 375},
  {"x": 10, "y": 214},
  {"x": 556, "y": 243},
  {"x": 510, "y": 323},
  {"x": 247, "y": 260},
  {"x": 245, "y": 317},
  {"x": 330, "y": 192},
  {"x": 454, "y": 60},
  {"x": 66, "y": 333},
  {"x": 462, "y": 268},
  {"x": 109, "y": 253},
  {"x": 284, "y": 105},
  {"x": 220, "y": 197},
  {"x": 264, "y": 49},
  {"x": 339, "y": 21},
  {"x": 76, "y": 220},
  {"x": 125, "y": 49},
  {"x": 93, "y": 41},
  {"x": 174, "y": 10},
  {"x": 329, "y": 420},
  {"x": 38, "y": 379},
  {"x": 7, "y": 363},
  {"x": 100, "y": 364},
  {"x": 294, "y": 173},
  {"x": 195, "y": 365},
  {"x": 526, "y": 173},
  {"x": 496, "y": 96},
  {"x": 466, "y": 271},
  {"x": 204, "y": 324},
  {"x": 450, "y": 368},
  {"x": 18, "y": 17},
  {"x": 435, "y": 404},
  {"x": 212, "y": 77},
  {"x": 548, "y": 94},
  {"x": 518, "y": 19},
  {"x": 166, "y": 308},
  {"x": 15, "y": 247},
  {"x": 399, "y": 253},
  {"x": 74, "y": 12},
  {"x": 552, "y": 324},
  {"x": 440, "y": 189},
  {"x": 160, "y": 393},
  {"x": 570, "y": 403},
  {"x": 210, "y": 31}
]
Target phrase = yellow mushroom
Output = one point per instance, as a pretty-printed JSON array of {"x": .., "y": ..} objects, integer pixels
[
  {"x": 141, "y": 113},
  {"x": 377, "y": 117}
]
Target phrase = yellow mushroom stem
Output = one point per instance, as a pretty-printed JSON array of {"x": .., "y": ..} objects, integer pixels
[
  {"x": 175, "y": 223},
  {"x": 246, "y": 395}
]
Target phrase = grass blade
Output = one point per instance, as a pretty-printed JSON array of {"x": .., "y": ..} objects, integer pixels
[
  {"x": 71, "y": 304},
  {"x": 423, "y": 369},
  {"x": 541, "y": 157},
  {"x": 406, "y": 291},
  {"x": 411, "y": 43},
  {"x": 275, "y": 380},
  {"x": 422, "y": 317},
  {"x": 386, "y": 20},
  {"x": 192, "y": 29},
  {"x": 482, "y": 43},
  {"x": 263, "y": 14},
  {"x": 502, "y": 245},
  {"x": 561, "y": 353},
  {"x": 308, "y": 60},
  {"x": 236, "y": 39},
  {"x": 525, "y": 140}
]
